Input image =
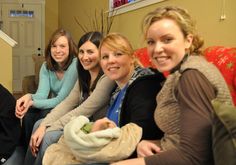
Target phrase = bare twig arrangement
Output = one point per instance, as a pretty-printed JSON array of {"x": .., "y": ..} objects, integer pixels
[{"x": 98, "y": 22}]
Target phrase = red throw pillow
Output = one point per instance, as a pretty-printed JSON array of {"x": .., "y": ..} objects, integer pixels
[
  {"x": 225, "y": 59},
  {"x": 142, "y": 55}
]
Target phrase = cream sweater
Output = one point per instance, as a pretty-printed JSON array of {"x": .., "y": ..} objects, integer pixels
[{"x": 96, "y": 103}]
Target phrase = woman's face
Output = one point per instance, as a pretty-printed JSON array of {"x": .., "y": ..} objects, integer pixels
[
  {"x": 89, "y": 56},
  {"x": 60, "y": 50},
  {"x": 117, "y": 65},
  {"x": 166, "y": 44}
]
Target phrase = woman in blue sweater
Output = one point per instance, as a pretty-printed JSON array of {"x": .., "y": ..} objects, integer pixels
[{"x": 58, "y": 75}]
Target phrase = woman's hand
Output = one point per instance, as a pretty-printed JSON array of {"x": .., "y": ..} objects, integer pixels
[
  {"x": 147, "y": 148},
  {"x": 102, "y": 124},
  {"x": 136, "y": 161},
  {"x": 36, "y": 139},
  {"x": 22, "y": 105}
]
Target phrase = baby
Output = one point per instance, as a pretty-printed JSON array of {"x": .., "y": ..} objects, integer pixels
[{"x": 98, "y": 125}]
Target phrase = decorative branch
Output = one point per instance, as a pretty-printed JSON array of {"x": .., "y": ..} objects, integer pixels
[
  {"x": 80, "y": 25},
  {"x": 102, "y": 22},
  {"x": 110, "y": 20},
  {"x": 98, "y": 22}
]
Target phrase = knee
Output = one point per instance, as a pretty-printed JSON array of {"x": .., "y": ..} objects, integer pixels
[
  {"x": 48, "y": 139},
  {"x": 36, "y": 125}
]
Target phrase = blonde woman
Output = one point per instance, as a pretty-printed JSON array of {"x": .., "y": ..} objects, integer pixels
[{"x": 184, "y": 110}]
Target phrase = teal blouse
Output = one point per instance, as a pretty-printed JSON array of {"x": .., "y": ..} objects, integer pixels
[{"x": 50, "y": 84}]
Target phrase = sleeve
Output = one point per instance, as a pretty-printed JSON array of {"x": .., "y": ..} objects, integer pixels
[
  {"x": 96, "y": 101},
  {"x": 140, "y": 106},
  {"x": 69, "y": 103},
  {"x": 69, "y": 79},
  {"x": 194, "y": 94}
]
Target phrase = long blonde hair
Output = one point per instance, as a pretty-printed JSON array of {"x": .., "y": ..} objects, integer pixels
[
  {"x": 116, "y": 41},
  {"x": 183, "y": 20}
]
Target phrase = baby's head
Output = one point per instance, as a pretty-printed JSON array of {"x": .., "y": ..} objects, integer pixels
[{"x": 102, "y": 124}]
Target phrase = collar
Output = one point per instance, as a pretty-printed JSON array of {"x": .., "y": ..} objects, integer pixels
[{"x": 177, "y": 67}]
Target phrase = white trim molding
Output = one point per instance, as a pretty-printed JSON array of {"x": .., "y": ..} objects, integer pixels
[
  {"x": 130, "y": 6},
  {"x": 8, "y": 39}
]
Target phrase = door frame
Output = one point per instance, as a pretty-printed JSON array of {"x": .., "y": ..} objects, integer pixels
[{"x": 42, "y": 2}]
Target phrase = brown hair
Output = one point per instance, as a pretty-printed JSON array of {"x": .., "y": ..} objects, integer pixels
[
  {"x": 50, "y": 62},
  {"x": 116, "y": 41},
  {"x": 183, "y": 20}
]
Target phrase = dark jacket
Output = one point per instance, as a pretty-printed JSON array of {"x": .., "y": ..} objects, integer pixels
[
  {"x": 9, "y": 125},
  {"x": 139, "y": 105}
]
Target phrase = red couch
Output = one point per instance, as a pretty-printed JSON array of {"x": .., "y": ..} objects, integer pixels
[{"x": 223, "y": 57}]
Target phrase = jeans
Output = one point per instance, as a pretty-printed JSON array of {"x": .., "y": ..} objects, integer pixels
[
  {"x": 30, "y": 118},
  {"x": 48, "y": 139}
]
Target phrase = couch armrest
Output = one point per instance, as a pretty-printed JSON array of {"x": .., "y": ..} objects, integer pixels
[{"x": 29, "y": 85}]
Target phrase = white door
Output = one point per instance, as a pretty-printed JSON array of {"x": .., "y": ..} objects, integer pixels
[{"x": 23, "y": 23}]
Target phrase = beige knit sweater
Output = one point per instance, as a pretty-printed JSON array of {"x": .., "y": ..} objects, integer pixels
[{"x": 167, "y": 113}]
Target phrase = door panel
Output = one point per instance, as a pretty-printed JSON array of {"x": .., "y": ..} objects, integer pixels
[{"x": 23, "y": 22}]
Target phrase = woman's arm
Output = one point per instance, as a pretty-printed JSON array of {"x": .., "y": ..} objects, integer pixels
[
  {"x": 71, "y": 101},
  {"x": 26, "y": 101},
  {"x": 98, "y": 100},
  {"x": 68, "y": 82},
  {"x": 137, "y": 161},
  {"x": 22, "y": 105}
]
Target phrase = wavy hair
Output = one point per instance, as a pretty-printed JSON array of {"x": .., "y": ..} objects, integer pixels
[
  {"x": 116, "y": 41},
  {"x": 183, "y": 20}
]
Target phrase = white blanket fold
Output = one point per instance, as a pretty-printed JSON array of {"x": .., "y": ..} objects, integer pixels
[{"x": 101, "y": 146}]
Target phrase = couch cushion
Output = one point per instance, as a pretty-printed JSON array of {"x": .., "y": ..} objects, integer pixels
[
  {"x": 38, "y": 60},
  {"x": 142, "y": 55},
  {"x": 225, "y": 60}
]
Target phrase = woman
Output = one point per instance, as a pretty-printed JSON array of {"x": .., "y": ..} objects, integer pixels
[
  {"x": 184, "y": 104},
  {"x": 133, "y": 99},
  {"x": 58, "y": 75},
  {"x": 89, "y": 72}
]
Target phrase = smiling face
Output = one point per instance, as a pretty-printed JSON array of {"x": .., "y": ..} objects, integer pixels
[
  {"x": 89, "y": 56},
  {"x": 117, "y": 65},
  {"x": 166, "y": 44},
  {"x": 60, "y": 50}
]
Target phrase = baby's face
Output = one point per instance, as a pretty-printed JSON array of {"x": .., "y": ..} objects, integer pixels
[{"x": 102, "y": 124}]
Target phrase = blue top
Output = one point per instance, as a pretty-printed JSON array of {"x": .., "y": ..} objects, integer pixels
[
  {"x": 49, "y": 83},
  {"x": 114, "y": 109}
]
